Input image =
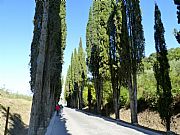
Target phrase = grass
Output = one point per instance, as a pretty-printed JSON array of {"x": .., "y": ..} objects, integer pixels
[{"x": 7, "y": 94}]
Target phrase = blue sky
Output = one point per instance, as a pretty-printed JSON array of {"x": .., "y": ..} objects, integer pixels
[{"x": 16, "y": 31}]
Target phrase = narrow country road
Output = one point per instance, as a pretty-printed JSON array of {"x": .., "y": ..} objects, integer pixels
[{"x": 75, "y": 122}]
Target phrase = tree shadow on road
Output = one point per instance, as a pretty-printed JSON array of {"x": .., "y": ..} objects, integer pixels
[
  {"x": 63, "y": 125},
  {"x": 57, "y": 126},
  {"x": 15, "y": 123}
]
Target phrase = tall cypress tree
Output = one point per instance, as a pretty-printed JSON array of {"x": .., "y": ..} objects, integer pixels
[
  {"x": 46, "y": 61},
  {"x": 134, "y": 50},
  {"x": 68, "y": 91},
  {"x": 72, "y": 81},
  {"x": 98, "y": 44},
  {"x": 82, "y": 71},
  {"x": 76, "y": 76},
  {"x": 76, "y": 79},
  {"x": 95, "y": 58},
  {"x": 89, "y": 38},
  {"x": 161, "y": 70},
  {"x": 115, "y": 26}
]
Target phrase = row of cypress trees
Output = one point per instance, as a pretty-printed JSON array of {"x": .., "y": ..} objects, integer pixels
[
  {"x": 115, "y": 48},
  {"x": 47, "y": 51},
  {"x": 75, "y": 78}
]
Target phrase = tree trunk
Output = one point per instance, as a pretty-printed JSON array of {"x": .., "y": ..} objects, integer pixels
[
  {"x": 36, "y": 109},
  {"x": 89, "y": 98},
  {"x": 118, "y": 102},
  {"x": 97, "y": 88},
  {"x": 168, "y": 123},
  {"x": 77, "y": 99},
  {"x": 132, "y": 85},
  {"x": 99, "y": 95},
  {"x": 135, "y": 118},
  {"x": 81, "y": 95},
  {"x": 115, "y": 102},
  {"x": 115, "y": 99}
]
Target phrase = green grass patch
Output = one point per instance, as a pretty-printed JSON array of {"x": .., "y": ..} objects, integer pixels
[{"x": 8, "y": 94}]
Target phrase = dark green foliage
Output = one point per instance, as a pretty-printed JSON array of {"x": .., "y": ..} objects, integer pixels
[
  {"x": 124, "y": 97},
  {"x": 82, "y": 72},
  {"x": 82, "y": 62},
  {"x": 178, "y": 37},
  {"x": 161, "y": 71},
  {"x": 115, "y": 56},
  {"x": 57, "y": 42},
  {"x": 136, "y": 34},
  {"x": 46, "y": 60},
  {"x": 97, "y": 42},
  {"x": 173, "y": 55},
  {"x": 89, "y": 38},
  {"x": 133, "y": 49},
  {"x": 63, "y": 27},
  {"x": 114, "y": 30},
  {"x": 89, "y": 97},
  {"x": 147, "y": 88},
  {"x": 57, "y": 35},
  {"x": 177, "y": 34},
  {"x": 35, "y": 42},
  {"x": 177, "y": 2},
  {"x": 75, "y": 79}
]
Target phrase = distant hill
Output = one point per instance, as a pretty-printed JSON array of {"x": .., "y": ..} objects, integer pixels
[{"x": 20, "y": 107}]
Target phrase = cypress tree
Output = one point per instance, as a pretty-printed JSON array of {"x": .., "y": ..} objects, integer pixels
[
  {"x": 46, "y": 61},
  {"x": 71, "y": 85},
  {"x": 67, "y": 86},
  {"x": 98, "y": 44},
  {"x": 92, "y": 49},
  {"x": 89, "y": 38},
  {"x": 82, "y": 71},
  {"x": 95, "y": 58},
  {"x": 161, "y": 71},
  {"x": 63, "y": 32},
  {"x": 75, "y": 65},
  {"x": 89, "y": 98},
  {"x": 133, "y": 51},
  {"x": 76, "y": 76},
  {"x": 115, "y": 26}
]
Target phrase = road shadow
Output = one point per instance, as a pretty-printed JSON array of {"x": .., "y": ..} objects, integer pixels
[
  {"x": 139, "y": 128},
  {"x": 57, "y": 126},
  {"x": 15, "y": 123}
]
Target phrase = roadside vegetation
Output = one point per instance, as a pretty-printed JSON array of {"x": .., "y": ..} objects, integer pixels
[
  {"x": 116, "y": 79},
  {"x": 6, "y": 93},
  {"x": 19, "y": 112}
]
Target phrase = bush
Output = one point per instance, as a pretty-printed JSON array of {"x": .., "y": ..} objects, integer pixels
[
  {"x": 124, "y": 97},
  {"x": 85, "y": 96}
]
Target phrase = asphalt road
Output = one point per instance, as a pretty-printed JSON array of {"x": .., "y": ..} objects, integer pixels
[{"x": 74, "y": 122}]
